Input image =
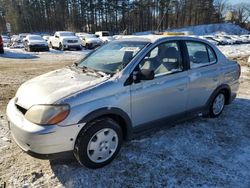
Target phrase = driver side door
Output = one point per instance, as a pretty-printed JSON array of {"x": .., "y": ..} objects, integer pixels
[{"x": 166, "y": 94}]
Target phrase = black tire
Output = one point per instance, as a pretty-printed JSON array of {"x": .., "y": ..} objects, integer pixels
[
  {"x": 50, "y": 45},
  {"x": 87, "y": 46},
  {"x": 61, "y": 47},
  {"x": 1, "y": 51},
  {"x": 212, "y": 112},
  {"x": 79, "y": 48},
  {"x": 85, "y": 136},
  {"x": 29, "y": 49}
]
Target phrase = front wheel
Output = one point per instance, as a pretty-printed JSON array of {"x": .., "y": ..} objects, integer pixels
[
  {"x": 61, "y": 47},
  {"x": 217, "y": 105},
  {"x": 99, "y": 143}
]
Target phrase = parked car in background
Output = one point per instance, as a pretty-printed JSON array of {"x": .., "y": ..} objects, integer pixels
[
  {"x": 226, "y": 39},
  {"x": 35, "y": 43},
  {"x": 46, "y": 37},
  {"x": 22, "y": 36},
  {"x": 235, "y": 40},
  {"x": 240, "y": 40},
  {"x": 1, "y": 45},
  {"x": 210, "y": 39},
  {"x": 16, "y": 42},
  {"x": 122, "y": 88},
  {"x": 81, "y": 34},
  {"x": 246, "y": 37},
  {"x": 6, "y": 40},
  {"x": 65, "y": 40},
  {"x": 105, "y": 36},
  {"x": 90, "y": 41}
]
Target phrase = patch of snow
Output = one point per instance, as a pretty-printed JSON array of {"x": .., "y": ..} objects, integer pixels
[
  {"x": 208, "y": 29},
  {"x": 235, "y": 50}
]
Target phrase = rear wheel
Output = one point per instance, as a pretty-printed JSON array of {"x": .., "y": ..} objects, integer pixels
[
  {"x": 99, "y": 143},
  {"x": 217, "y": 105}
]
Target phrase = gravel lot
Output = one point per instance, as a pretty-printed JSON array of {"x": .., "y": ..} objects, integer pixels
[{"x": 197, "y": 153}]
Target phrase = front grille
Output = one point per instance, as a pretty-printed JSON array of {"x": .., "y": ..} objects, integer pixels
[
  {"x": 72, "y": 41},
  {"x": 21, "y": 109}
]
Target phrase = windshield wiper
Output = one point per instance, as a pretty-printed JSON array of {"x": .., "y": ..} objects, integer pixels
[{"x": 97, "y": 72}]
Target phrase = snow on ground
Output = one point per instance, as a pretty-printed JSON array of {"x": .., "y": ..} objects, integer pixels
[
  {"x": 236, "y": 50},
  {"x": 226, "y": 28},
  {"x": 201, "y": 152},
  {"x": 20, "y": 53}
]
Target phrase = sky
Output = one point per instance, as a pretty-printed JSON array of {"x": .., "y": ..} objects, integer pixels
[{"x": 238, "y": 1}]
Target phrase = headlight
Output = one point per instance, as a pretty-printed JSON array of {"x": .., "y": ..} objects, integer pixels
[{"x": 47, "y": 114}]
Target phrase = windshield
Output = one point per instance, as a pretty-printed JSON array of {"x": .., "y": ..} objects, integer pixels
[
  {"x": 112, "y": 57},
  {"x": 91, "y": 37},
  {"x": 105, "y": 34},
  {"x": 67, "y": 34}
]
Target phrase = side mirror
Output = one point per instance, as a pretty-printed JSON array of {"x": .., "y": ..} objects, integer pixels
[
  {"x": 57, "y": 36},
  {"x": 144, "y": 74}
]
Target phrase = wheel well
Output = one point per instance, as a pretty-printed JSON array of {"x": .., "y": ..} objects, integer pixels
[{"x": 118, "y": 119}]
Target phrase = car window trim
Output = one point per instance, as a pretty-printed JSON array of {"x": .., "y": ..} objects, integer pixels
[
  {"x": 207, "y": 46},
  {"x": 178, "y": 42}
]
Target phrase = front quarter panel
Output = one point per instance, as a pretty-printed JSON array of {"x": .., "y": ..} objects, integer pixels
[{"x": 110, "y": 94}]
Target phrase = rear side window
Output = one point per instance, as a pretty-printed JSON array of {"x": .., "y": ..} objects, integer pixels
[
  {"x": 200, "y": 54},
  {"x": 211, "y": 55}
]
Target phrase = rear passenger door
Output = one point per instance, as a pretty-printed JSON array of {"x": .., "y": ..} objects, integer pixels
[{"x": 204, "y": 73}]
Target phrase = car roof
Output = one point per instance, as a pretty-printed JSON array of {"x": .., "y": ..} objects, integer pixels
[
  {"x": 64, "y": 32},
  {"x": 34, "y": 36}
]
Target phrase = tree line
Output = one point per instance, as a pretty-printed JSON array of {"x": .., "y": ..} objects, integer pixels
[{"x": 118, "y": 16}]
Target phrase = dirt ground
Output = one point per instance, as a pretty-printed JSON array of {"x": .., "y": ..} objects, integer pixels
[{"x": 197, "y": 153}]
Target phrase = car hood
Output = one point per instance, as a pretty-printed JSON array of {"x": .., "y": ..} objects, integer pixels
[
  {"x": 53, "y": 86},
  {"x": 107, "y": 38},
  {"x": 39, "y": 42}
]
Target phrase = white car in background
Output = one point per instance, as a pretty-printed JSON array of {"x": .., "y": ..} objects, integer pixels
[
  {"x": 239, "y": 39},
  {"x": 246, "y": 37},
  {"x": 105, "y": 36},
  {"x": 65, "y": 40},
  {"x": 222, "y": 40},
  {"x": 235, "y": 40},
  {"x": 16, "y": 42},
  {"x": 46, "y": 37},
  {"x": 90, "y": 41},
  {"x": 35, "y": 43},
  {"x": 22, "y": 36},
  {"x": 6, "y": 40},
  {"x": 210, "y": 39}
]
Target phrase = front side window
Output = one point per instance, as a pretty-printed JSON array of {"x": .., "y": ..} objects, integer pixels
[
  {"x": 163, "y": 59},
  {"x": 112, "y": 57},
  {"x": 200, "y": 54}
]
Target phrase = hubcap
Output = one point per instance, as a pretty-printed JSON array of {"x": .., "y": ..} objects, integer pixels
[
  {"x": 102, "y": 145},
  {"x": 218, "y": 104}
]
